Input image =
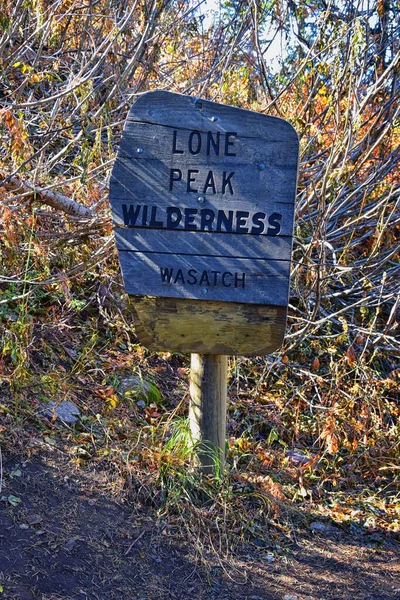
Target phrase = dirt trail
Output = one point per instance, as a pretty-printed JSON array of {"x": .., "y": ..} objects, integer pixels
[{"x": 65, "y": 539}]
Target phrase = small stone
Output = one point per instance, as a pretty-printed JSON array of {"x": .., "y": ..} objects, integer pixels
[
  {"x": 50, "y": 441},
  {"x": 66, "y": 412},
  {"x": 270, "y": 558},
  {"x": 24, "y": 526},
  {"x": 34, "y": 519},
  {"x": 141, "y": 403},
  {"x": 83, "y": 453},
  {"x": 298, "y": 458},
  {"x": 290, "y": 597},
  {"x": 71, "y": 353},
  {"x": 156, "y": 558},
  {"x": 71, "y": 543},
  {"x": 10, "y": 315},
  {"x": 322, "y": 527},
  {"x": 136, "y": 386}
]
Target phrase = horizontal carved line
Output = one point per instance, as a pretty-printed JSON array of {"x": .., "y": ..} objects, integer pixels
[
  {"x": 255, "y": 235},
  {"x": 228, "y": 256}
]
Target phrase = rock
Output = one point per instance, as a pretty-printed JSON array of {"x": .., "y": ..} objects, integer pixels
[
  {"x": 66, "y": 412},
  {"x": 10, "y": 315},
  {"x": 137, "y": 387},
  {"x": 83, "y": 453},
  {"x": 322, "y": 527},
  {"x": 290, "y": 597},
  {"x": 34, "y": 519},
  {"x": 270, "y": 558},
  {"x": 72, "y": 543},
  {"x": 156, "y": 558},
  {"x": 298, "y": 458},
  {"x": 50, "y": 441}
]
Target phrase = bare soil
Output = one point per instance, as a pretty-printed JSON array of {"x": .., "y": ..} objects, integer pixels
[{"x": 67, "y": 538}]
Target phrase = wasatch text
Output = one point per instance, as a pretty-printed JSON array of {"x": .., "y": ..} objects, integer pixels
[{"x": 209, "y": 278}]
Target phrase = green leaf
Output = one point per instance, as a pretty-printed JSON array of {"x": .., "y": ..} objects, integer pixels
[
  {"x": 14, "y": 500},
  {"x": 273, "y": 436}
]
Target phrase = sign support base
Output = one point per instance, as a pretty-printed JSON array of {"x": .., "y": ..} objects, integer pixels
[{"x": 207, "y": 412}]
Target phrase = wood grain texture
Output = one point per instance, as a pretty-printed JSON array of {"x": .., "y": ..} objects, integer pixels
[
  {"x": 207, "y": 410},
  {"x": 155, "y": 142},
  {"x": 175, "y": 110},
  {"x": 147, "y": 183},
  {"x": 177, "y": 325},
  {"x": 200, "y": 160},
  {"x": 206, "y": 244},
  {"x": 231, "y": 279}
]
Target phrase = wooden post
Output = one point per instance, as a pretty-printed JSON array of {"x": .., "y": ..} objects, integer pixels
[{"x": 207, "y": 412}]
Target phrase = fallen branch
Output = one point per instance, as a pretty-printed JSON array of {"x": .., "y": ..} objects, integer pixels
[{"x": 53, "y": 199}]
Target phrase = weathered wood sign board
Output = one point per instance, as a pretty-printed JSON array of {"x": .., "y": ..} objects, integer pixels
[{"x": 202, "y": 198}]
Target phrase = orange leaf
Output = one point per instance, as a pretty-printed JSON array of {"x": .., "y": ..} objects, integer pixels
[
  {"x": 316, "y": 364},
  {"x": 351, "y": 356},
  {"x": 332, "y": 443},
  {"x": 104, "y": 392},
  {"x": 328, "y": 434}
]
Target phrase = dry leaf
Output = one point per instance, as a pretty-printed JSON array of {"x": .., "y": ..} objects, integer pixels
[
  {"x": 316, "y": 364},
  {"x": 351, "y": 357},
  {"x": 328, "y": 434}
]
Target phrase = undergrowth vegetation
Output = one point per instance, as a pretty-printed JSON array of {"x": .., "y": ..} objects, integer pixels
[{"x": 313, "y": 430}]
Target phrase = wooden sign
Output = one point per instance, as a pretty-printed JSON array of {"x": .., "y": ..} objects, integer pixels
[{"x": 202, "y": 198}]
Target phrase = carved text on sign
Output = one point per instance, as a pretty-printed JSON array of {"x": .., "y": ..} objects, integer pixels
[
  {"x": 205, "y": 219},
  {"x": 203, "y": 201},
  {"x": 194, "y": 277}
]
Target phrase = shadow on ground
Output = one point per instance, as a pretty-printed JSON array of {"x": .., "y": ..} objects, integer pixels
[{"x": 65, "y": 539}]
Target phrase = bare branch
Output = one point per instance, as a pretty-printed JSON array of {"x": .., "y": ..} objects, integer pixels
[{"x": 53, "y": 199}]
